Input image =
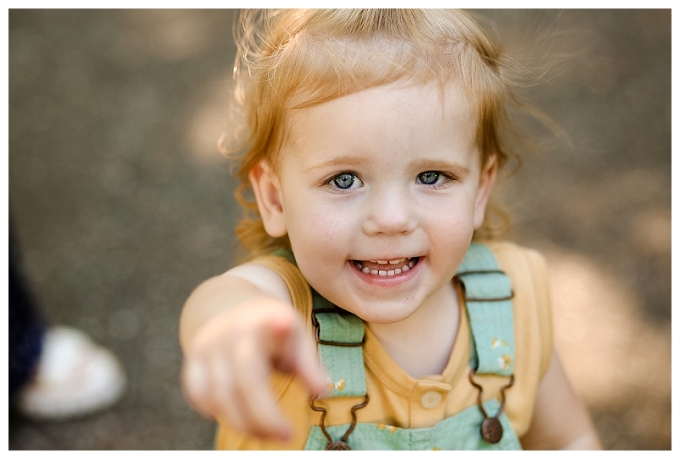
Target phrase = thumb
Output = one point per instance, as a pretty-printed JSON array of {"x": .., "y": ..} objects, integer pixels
[{"x": 296, "y": 353}]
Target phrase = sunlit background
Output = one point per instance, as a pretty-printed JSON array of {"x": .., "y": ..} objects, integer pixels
[{"x": 122, "y": 203}]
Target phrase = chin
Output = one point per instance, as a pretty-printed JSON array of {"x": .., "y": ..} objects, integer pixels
[{"x": 384, "y": 314}]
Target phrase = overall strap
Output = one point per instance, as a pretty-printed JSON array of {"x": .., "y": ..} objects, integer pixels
[
  {"x": 340, "y": 337},
  {"x": 488, "y": 294}
]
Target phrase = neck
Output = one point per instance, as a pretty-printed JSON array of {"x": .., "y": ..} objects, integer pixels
[{"x": 421, "y": 344}]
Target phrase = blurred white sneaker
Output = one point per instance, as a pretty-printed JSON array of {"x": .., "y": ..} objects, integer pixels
[{"x": 74, "y": 377}]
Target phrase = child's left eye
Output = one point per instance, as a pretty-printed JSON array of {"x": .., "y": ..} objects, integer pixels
[{"x": 430, "y": 177}]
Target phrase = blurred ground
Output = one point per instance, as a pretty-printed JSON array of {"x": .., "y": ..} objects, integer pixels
[{"x": 122, "y": 203}]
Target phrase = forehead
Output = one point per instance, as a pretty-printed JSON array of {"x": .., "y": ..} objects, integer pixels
[
  {"x": 400, "y": 116},
  {"x": 393, "y": 104}
]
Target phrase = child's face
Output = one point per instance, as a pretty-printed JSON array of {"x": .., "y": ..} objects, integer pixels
[{"x": 379, "y": 193}]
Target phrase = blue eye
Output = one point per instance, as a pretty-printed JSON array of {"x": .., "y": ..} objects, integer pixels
[
  {"x": 429, "y": 177},
  {"x": 344, "y": 181}
]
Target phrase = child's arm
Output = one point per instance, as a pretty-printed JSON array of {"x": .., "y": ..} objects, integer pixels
[
  {"x": 234, "y": 329},
  {"x": 560, "y": 419}
]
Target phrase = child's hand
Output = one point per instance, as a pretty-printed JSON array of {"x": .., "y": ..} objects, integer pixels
[{"x": 227, "y": 363}]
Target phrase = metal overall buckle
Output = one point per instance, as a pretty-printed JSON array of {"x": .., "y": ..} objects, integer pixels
[
  {"x": 342, "y": 443},
  {"x": 317, "y": 336},
  {"x": 491, "y": 429}
]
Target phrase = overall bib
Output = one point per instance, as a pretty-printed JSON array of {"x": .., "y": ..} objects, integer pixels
[{"x": 340, "y": 336}]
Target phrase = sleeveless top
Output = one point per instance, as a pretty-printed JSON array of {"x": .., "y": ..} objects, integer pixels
[{"x": 432, "y": 412}]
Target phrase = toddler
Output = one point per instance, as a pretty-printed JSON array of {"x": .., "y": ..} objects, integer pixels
[{"x": 377, "y": 310}]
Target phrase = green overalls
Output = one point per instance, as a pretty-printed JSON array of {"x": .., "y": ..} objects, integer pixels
[{"x": 340, "y": 337}]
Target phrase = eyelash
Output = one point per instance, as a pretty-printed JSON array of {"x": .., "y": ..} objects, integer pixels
[
  {"x": 331, "y": 182},
  {"x": 447, "y": 178}
]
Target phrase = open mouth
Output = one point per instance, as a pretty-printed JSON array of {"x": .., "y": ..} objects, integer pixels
[{"x": 386, "y": 267}]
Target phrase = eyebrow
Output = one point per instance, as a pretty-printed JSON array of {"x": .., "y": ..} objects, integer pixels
[
  {"x": 349, "y": 161},
  {"x": 440, "y": 164}
]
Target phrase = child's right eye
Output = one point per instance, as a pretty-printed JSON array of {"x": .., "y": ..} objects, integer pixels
[{"x": 345, "y": 181}]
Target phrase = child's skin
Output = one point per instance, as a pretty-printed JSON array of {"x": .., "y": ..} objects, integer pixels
[{"x": 389, "y": 174}]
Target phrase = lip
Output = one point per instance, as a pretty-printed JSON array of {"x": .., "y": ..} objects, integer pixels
[{"x": 386, "y": 281}]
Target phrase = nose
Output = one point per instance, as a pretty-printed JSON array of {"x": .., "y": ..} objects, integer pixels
[{"x": 390, "y": 213}]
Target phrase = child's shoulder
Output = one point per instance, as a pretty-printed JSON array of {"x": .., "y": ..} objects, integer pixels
[
  {"x": 519, "y": 262},
  {"x": 509, "y": 252}
]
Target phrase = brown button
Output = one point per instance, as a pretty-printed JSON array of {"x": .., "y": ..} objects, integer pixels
[
  {"x": 338, "y": 445},
  {"x": 492, "y": 430},
  {"x": 431, "y": 399}
]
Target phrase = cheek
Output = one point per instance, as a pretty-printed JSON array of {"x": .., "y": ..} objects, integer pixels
[
  {"x": 451, "y": 233},
  {"x": 320, "y": 241},
  {"x": 448, "y": 231},
  {"x": 312, "y": 224},
  {"x": 452, "y": 214},
  {"x": 319, "y": 229}
]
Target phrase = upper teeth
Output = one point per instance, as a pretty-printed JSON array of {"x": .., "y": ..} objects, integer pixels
[{"x": 392, "y": 262}]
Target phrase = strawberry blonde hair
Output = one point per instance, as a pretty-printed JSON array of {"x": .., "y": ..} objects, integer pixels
[{"x": 291, "y": 59}]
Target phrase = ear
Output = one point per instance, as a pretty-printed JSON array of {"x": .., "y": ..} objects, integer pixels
[
  {"x": 486, "y": 181},
  {"x": 268, "y": 196}
]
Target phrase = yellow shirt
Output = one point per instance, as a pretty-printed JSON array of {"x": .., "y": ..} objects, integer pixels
[{"x": 396, "y": 398}]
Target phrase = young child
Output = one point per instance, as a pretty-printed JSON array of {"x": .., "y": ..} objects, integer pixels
[{"x": 366, "y": 317}]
